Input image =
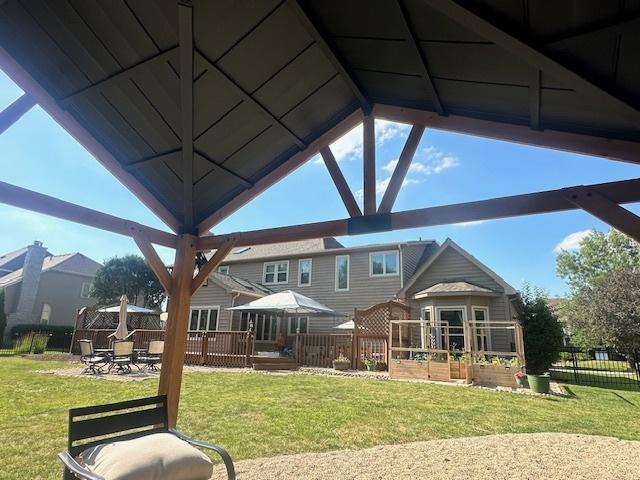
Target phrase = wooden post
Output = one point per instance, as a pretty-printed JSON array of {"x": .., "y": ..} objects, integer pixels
[{"x": 177, "y": 324}]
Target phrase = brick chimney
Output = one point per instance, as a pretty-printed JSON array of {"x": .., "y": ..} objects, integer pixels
[{"x": 31, "y": 271}]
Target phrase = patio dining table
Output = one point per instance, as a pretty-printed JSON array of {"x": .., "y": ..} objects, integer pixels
[{"x": 108, "y": 354}]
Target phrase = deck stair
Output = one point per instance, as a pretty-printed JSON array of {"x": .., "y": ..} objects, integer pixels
[{"x": 273, "y": 362}]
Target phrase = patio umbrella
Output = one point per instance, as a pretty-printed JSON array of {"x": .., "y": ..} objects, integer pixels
[
  {"x": 121, "y": 332},
  {"x": 287, "y": 302}
]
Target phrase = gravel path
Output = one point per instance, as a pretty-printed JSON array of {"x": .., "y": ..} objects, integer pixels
[{"x": 548, "y": 456}]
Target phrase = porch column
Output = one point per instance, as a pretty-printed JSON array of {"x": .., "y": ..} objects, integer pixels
[{"x": 177, "y": 324}]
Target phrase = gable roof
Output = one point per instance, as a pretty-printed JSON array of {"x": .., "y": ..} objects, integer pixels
[
  {"x": 51, "y": 262},
  {"x": 11, "y": 256},
  {"x": 234, "y": 284},
  {"x": 278, "y": 250},
  {"x": 448, "y": 243}
]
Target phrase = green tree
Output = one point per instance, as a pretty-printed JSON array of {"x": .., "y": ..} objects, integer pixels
[
  {"x": 129, "y": 275},
  {"x": 541, "y": 330},
  {"x": 599, "y": 254},
  {"x": 3, "y": 316}
]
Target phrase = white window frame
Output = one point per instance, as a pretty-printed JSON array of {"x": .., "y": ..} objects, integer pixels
[
  {"x": 384, "y": 264},
  {"x": 45, "y": 319},
  {"x": 88, "y": 295},
  {"x": 450, "y": 308},
  {"x": 423, "y": 327},
  {"x": 487, "y": 319},
  {"x": 223, "y": 269},
  {"x": 310, "y": 260},
  {"x": 275, "y": 273},
  {"x": 337, "y": 288},
  {"x": 294, "y": 331},
  {"x": 209, "y": 308}
]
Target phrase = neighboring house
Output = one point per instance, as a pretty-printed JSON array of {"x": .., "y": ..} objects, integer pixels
[
  {"x": 441, "y": 282},
  {"x": 44, "y": 288}
]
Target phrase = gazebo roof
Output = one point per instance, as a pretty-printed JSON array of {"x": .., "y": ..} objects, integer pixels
[{"x": 272, "y": 78}]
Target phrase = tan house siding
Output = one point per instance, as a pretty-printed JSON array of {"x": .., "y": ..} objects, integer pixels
[
  {"x": 61, "y": 291},
  {"x": 214, "y": 295}
]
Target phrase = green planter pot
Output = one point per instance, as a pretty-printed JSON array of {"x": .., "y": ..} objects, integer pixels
[{"x": 539, "y": 383}]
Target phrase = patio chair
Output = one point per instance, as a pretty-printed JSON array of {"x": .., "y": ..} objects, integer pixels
[
  {"x": 93, "y": 362},
  {"x": 122, "y": 356},
  {"x": 153, "y": 355},
  {"x": 156, "y": 452}
]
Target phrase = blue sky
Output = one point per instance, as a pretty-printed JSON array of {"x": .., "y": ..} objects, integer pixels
[{"x": 448, "y": 168}]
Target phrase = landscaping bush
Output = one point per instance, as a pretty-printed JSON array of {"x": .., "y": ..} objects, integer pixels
[
  {"x": 60, "y": 335},
  {"x": 32, "y": 343},
  {"x": 542, "y": 332}
]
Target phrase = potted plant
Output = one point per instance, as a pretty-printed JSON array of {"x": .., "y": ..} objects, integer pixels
[
  {"x": 521, "y": 378},
  {"x": 341, "y": 363},
  {"x": 542, "y": 339},
  {"x": 370, "y": 363}
]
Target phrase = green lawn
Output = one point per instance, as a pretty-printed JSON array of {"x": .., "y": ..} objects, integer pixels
[{"x": 259, "y": 415}]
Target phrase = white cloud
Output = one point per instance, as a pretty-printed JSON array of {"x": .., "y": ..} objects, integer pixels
[
  {"x": 386, "y": 131},
  {"x": 472, "y": 223},
  {"x": 571, "y": 241}
]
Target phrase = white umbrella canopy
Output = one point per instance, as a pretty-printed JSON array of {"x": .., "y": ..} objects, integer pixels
[
  {"x": 130, "y": 309},
  {"x": 121, "y": 332},
  {"x": 350, "y": 325},
  {"x": 287, "y": 302}
]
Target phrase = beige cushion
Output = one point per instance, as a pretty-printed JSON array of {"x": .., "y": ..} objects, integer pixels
[{"x": 160, "y": 456}]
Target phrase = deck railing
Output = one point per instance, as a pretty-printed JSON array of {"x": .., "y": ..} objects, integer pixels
[{"x": 320, "y": 350}]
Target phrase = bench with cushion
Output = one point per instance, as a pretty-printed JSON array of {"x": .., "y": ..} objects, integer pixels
[{"x": 131, "y": 440}]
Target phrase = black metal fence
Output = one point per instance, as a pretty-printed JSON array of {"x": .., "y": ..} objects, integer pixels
[
  {"x": 601, "y": 367},
  {"x": 35, "y": 342}
]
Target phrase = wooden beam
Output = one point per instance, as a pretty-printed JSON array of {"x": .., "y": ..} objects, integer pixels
[
  {"x": 330, "y": 54},
  {"x": 47, "y": 205},
  {"x": 247, "y": 97},
  {"x": 401, "y": 169},
  {"x": 571, "y": 142},
  {"x": 625, "y": 191},
  {"x": 185, "y": 33},
  {"x": 15, "y": 111},
  {"x": 593, "y": 202},
  {"x": 219, "y": 167},
  {"x": 124, "y": 74},
  {"x": 67, "y": 121},
  {"x": 177, "y": 325},
  {"x": 339, "y": 181},
  {"x": 414, "y": 42},
  {"x": 535, "y": 56},
  {"x": 369, "y": 164},
  {"x": 154, "y": 261},
  {"x": 343, "y": 126},
  {"x": 208, "y": 268}
]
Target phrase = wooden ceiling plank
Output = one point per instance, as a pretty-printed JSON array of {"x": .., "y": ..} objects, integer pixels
[
  {"x": 47, "y": 205},
  {"x": 218, "y": 166},
  {"x": 614, "y": 25},
  {"x": 317, "y": 36},
  {"x": 339, "y": 181},
  {"x": 153, "y": 259},
  {"x": 343, "y": 126},
  {"x": 625, "y": 191},
  {"x": 611, "y": 148},
  {"x": 247, "y": 97},
  {"x": 124, "y": 74},
  {"x": 369, "y": 163},
  {"x": 208, "y": 268},
  {"x": 593, "y": 202},
  {"x": 28, "y": 84},
  {"x": 536, "y": 57},
  {"x": 14, "y": 112},
  {"x": 185, "y": 29},
  {"x": 401, "y": 169},
  {"x": 422, "y": 58},
  {"x": 534, "y": 99}
]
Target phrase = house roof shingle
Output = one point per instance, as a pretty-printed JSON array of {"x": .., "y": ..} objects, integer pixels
[
  {"x": 449, "y": 288},
  {"x": 50, "y": 262},
  {"x": 240, "y": 285}
]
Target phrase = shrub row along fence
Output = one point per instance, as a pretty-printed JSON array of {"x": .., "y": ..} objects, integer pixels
[
  {"x": 319, "y": 350},
  {"x": 609, "y": 368},
  {"x": 221, "y": 349},
  {"x": 36, "y": 341}
]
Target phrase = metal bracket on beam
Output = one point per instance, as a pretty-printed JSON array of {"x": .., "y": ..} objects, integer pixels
[{"x": 380, "y": 222}]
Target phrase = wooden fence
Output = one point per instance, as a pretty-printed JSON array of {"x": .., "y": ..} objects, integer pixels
[
  {"x": 320, "y": 350},
  {"x": 221, "y": 349}
]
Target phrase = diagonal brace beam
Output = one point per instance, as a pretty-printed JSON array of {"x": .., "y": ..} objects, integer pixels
[
  {"x": 341, "y": 184},
  {"x": 402, "y": 167},
  {"x": 154, "y": 261},
  {"x": 15, "y": 111},
  {"x": 608, "y": 211},
  {"x": 212, "y": 264}
]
